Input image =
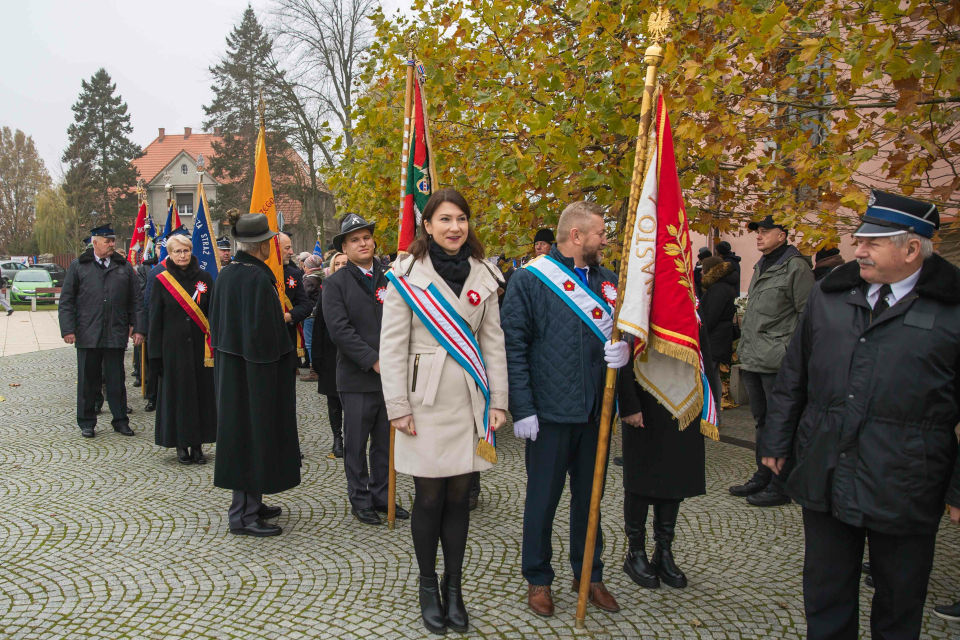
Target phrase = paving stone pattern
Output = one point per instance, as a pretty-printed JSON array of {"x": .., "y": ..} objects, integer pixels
[{"x": 112, "y": 538}]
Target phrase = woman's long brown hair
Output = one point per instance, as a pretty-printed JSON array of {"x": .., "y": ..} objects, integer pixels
[{"x": 421, "y": 245}]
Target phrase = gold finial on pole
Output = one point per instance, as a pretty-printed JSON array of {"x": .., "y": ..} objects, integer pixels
[
  {"x": 141, "y": 192},
  {"x": 262, "y": 109},
  {"x": 411, "y": 38},
  {"x": 658, "y": 23}
]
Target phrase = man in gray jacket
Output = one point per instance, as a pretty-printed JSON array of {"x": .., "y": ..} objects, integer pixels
[
  {"x": 100, "y": 307},
  {"x": 778, "y": 291}
]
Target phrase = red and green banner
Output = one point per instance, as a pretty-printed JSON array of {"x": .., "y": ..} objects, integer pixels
[{"x": 417, "y": 189}]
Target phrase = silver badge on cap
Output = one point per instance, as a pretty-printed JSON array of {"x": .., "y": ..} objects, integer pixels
[{"x": 872, "y": 199}]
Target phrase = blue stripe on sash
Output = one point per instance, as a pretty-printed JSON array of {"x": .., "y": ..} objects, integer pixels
[{"x": 570, "y": 303}]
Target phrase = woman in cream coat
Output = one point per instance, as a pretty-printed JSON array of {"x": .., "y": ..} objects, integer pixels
[{"x": 434, "y": 403}]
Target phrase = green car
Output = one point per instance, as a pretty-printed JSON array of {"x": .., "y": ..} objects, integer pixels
[{"x": 26, "y": 282}]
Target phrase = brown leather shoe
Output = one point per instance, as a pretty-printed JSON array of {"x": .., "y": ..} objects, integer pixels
[
  {"x": 599, "y": 596},
  {"x": 539, "y": 599}
]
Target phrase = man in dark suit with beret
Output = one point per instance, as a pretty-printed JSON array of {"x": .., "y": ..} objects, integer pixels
[
  {"x": 865, "y": 405},
  {"x": 101, "y": 306},
  {"x": 353, "y": 312}
]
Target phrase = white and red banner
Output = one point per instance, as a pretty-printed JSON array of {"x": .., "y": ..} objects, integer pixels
[{"x": 139, "y": 239}]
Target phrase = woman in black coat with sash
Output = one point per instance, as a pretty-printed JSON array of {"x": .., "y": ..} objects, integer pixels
[
  {"x": 323, "y": 355},
  {"x": 186, "y": 415},
  {"x": 662, "y": 466}
]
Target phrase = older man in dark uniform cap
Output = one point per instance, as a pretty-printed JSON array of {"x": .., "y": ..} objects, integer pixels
[
  {"x": 257, "y": 446},
  {"x": 865, "y": 404},
  {"x": 542, "y": 241},
  {"x": 224, "y": 250},
  {"x": 353, "y": 310},
  {"x": 100, "y": 307}
]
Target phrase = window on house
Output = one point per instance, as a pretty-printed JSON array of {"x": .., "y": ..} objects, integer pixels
[
  {"x": 185, "y": 203},
  {"x": 183, "y": 169}
]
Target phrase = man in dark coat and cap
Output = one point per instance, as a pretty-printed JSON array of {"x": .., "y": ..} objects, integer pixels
[
  {"x": 353, "y": 313},
  {"x": 865, "y": 405},
  {"x": 101, "y": 306},
  {"x": 827, "y": 261},
  {"x": 542, "y": 241},
  {"x": 224, "y": 251},
  {"x": 257, "y": 447}
]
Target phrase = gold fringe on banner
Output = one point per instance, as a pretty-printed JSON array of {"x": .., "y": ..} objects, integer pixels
[
  {"x": 674, "y": 350},
  {"x": 208, "y": 362},
  {"x": 487, "y": 451},
  {"x": 710, "y": 430}
]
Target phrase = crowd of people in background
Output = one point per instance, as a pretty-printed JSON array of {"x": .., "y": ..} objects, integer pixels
[{"x": 850, "y": 368}]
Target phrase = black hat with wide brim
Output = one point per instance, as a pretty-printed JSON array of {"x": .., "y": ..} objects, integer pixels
[
  {"x": 252, "y": 227},
  {"x": 351, "y": 223}
]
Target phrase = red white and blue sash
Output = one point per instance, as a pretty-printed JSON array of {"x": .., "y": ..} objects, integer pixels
[
  {"x": 455, "y": 336},
  {"x": 591, "y": 308}
]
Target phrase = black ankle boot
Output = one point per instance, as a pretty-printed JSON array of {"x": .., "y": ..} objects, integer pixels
[
  {"x": 183, "y": 455},
  {"x": 636, "y": 564},
  {"x": 337, "y": 446},
  {"x": 456, "y": 612},
  {"x": 664, "y": 530},
  {"x": 431, "y": 608}
]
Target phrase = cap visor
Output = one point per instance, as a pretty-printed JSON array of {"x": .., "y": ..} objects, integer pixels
[{"x": 870, "y": 230}]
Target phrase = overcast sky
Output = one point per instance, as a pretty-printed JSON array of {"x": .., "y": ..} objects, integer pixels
[{"x": 158, "y": 54}]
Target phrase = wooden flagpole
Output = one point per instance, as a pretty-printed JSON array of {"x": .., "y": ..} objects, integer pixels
[
  {"x": 431, "y": 159},
  {"x": 657, "y": 25},
  {"x": 411, "y": 39}
]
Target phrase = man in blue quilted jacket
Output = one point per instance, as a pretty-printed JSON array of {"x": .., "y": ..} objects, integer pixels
[{"x": 555, "y": 317}]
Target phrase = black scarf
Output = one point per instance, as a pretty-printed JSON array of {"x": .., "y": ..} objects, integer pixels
[
  {"x": 187, "y": 273},
  {"x": 453, "y": 269}
]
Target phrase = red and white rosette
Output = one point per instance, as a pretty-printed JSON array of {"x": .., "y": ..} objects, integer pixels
[
  {"x": 473, "y": 297},
  {"x": 201, "y": 288},
  {"x": 292, "y": 282},
  {"x": 380, "y": 293},
  {"x": 609, "y": 292}
]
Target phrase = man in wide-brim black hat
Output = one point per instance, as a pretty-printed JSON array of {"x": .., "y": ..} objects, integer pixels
[
  {"x": 353, "y": 311},
  {"x": 257, "y": 447},
  {"x": 865, "y": 404}
]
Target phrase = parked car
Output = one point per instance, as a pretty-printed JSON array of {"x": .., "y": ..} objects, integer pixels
[
  {"x": 57, "y": 272},
  {"x": 9, "y": 268},
  {"x": 27, "y": 282}
]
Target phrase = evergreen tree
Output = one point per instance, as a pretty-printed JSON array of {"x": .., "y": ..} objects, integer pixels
[
  {"x": 99, "y": 174},
  {"x": 243, "y": 72}
]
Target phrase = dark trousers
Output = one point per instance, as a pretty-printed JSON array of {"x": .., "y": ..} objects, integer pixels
[
  {"x": 136, "y": 362},
  {"x": 244, "y": 509},
  {"x": 93, "y": 367},
  {"x": 900, "y": 566},
  {"x": 760, "y": 389},
  {"x": 365, "y": 418},
  {"x": 335, "y": 413},
  {"x": 558, "y": 450}
]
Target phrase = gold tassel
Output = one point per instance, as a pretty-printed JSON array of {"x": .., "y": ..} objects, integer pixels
[
  {"x": 487, "y": 451},
  {"x": 674, "y": 350},
  {"x": 710, "y": 430},
  {"x": 208, "y": 362},
  {"x": 301, "y": 351}
]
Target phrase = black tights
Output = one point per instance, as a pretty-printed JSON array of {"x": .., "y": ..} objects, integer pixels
[{"x": 441, "y": 514}]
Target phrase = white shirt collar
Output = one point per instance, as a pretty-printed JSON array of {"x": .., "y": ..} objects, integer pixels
[
  {"x": 365, "y": 272},
  {"x": 899, "y": 290}
]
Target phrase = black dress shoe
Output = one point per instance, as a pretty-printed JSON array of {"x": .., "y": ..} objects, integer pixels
[
  {"x": 136, "y": 382},
  {"x": 366, "y": 516},
  {"x": 269, "y": 513},
  {"x": 87, "y": 432},
  {"x": 868, "y": 581},
  {"x": 431, "y": 607},
  {"x": 197, "y": 454},
  {"x": 865, "y": 568},
  {"x": 183, "y": 455},
  {"x": 756, "y": 484},
  {"x": 151, "y": 406},
  {"x": 402, "y": 514},
  {"x": 124, "y": 430},
  {"x": 948, "y": 612},
  {"x": 769, "y": 497},
  {"x": 258, "y": 529},
  {"x": 618, "y": 460},
  {"x": 337, "y": 446},
  {"x": 129, "y": 410}
]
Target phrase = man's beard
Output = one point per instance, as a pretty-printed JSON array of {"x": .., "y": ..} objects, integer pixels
[{"x": 592, "y": 258}]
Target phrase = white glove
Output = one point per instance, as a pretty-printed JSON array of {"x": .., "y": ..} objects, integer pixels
[
  {"x": 527, "y": 428},
  {"x": 616, "y": 354}
]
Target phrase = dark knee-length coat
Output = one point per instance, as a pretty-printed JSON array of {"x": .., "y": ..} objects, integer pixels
[
  {"x": 659, "y": 460},
  {"x": 257, "y": 446},
  {"x": 186, "y": 404}
]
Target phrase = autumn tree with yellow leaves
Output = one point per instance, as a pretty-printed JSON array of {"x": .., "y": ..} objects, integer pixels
[{"x": 789, "y": 108}]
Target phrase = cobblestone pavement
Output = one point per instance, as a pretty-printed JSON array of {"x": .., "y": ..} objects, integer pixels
[{"x": 112, "y": 538}]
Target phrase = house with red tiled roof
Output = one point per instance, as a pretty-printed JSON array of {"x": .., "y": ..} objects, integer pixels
[{"x": 172, "y": 160}]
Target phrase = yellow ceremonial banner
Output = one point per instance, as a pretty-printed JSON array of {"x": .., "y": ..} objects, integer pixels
[{"x": 262, "y": 202}]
